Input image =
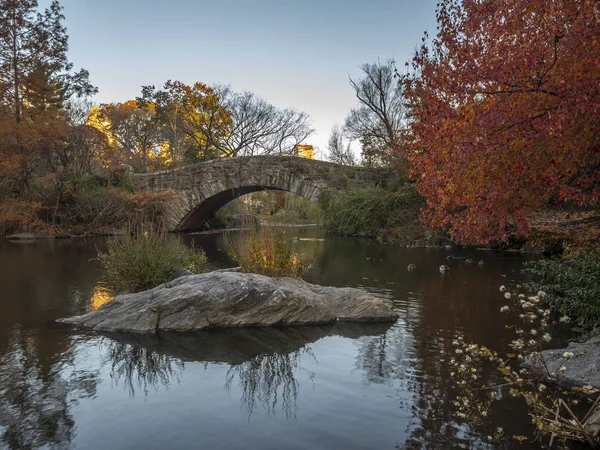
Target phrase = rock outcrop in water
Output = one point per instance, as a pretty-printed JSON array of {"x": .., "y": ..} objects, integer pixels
[
  {"x": 580, "y": 360},
  {"x": 233, "y": 299}
]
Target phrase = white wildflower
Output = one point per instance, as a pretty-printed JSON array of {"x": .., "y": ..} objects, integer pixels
[
  {"x": 502, "y": 288},
  {"x": 507, "y": 295}
]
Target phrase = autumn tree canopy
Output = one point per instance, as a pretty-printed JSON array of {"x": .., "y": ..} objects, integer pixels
[
  {"x": 206, "y": 122},
  {"x": 36, "y": 80},
  {"x": 134, "y": 133},
  {"x": 506, "y": 113}
]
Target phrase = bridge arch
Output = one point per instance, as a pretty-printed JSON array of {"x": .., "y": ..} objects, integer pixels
[
  {"x": 201, "y": 189},
  {"x": 205, "y": 202}
]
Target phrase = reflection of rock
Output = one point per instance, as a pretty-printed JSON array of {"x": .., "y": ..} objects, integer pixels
[
  {"x": 237, "y": 345},
  {"x": 229, "y": 299},
  {"x": 582, "y": 369},
  {"x": 263, "y": 361},
  {"x": 231, "y": 346}
]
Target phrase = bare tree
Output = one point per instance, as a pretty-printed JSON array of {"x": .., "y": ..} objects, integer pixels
[
  {"x": 257, "y": 127},
  {"x": 380, "y": 119},
  {"x": 338, "y": 152}
]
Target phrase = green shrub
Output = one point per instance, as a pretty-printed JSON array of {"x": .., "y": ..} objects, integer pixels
[
  {"x": 268, "y": 251},
  {"x": 573, "y": 286},
  {"x": 141, "y": 262},
  {"x": 376, "y": 213}
]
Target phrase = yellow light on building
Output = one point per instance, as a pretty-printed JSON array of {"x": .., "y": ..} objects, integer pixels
[{"x": 304, "y": 151}]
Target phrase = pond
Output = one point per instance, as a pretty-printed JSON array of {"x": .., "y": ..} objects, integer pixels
[{"x": 344, "y": 386}]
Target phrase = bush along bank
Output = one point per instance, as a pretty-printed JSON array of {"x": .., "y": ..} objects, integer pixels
[
  {"x": 83, "y": 206},
  {"x": 572, "y": 285},
  {"x": 391, "y": 216}
]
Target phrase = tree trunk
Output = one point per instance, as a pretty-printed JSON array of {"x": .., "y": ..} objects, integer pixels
[{"x": 15, "y": 63}]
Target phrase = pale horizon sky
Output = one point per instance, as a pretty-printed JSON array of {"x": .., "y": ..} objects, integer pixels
[{"x": 293, "y": 54}]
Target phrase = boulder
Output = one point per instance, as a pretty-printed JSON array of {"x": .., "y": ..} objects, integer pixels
[
  {"x": 233, "y": 299},
  {"x": 581, "y": 369}
]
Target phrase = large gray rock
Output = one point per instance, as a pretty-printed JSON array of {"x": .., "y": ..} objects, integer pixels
[
  {"x": 582, "y": 369},
  {"x": 230, "y": 299}
]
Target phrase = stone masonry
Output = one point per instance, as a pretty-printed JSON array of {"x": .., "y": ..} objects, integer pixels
[{"x": 201, "y": 189}]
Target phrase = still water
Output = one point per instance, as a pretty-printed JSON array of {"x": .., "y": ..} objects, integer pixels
[{"x": 344, "y": 386}]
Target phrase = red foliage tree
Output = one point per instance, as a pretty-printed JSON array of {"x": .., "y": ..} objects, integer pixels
[{"x": 506, "y": 113}]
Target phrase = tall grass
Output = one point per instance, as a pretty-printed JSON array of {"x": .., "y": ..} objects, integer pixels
[
  {"x": 145, "y": 260},
  {"x": 377, "y": 213},
  {"x": 266, "y": 250}
]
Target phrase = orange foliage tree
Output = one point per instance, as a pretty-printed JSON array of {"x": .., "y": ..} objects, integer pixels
[
  {"x": 505, "y": 113},
  {"x": 193, "y": 119},
  {"x": 135, "y": 133}
]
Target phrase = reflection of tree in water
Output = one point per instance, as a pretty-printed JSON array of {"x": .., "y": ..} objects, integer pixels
[
  {"x": 35, "y": 397},
  {"x": 415, "y": 355},
  {"x": 267, "y": 379},
  {"x": 140, "y": 367},
  {"x": 383, "y": 357}
]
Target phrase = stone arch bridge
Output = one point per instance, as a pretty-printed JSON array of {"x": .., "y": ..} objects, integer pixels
[{"x": 201, "y": 189}]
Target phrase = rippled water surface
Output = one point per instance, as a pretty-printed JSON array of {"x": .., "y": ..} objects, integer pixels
[{"x": 345, "y": 386}]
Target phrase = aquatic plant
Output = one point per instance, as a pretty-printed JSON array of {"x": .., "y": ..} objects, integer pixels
[
  {"x": 145, "y": 260},
  {"x": 265, "y": 250},
  {"x": 550, "y": 407}
]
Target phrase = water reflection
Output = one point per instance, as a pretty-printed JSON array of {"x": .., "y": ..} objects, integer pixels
[
  {"x": 100, "y": 296},
  {"x": 265, "y": 378},
  {"x": 140, "y": 368},
  {"x": 36, "y": 395},
  {"x": 263, "y": 362},
  {"x": 377, "y": 386}
]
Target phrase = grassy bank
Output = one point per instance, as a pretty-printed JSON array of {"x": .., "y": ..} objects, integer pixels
[
  {"x": 572, "y": 286},
  {"x": 391, "y": 216},
  {"x": 88, "y": 205}
]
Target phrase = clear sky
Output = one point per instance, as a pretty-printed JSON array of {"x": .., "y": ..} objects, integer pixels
[{"x": 295, "y": 54}]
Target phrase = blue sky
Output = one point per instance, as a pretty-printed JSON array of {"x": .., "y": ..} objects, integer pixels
[{"x": 293, "y": 53}]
